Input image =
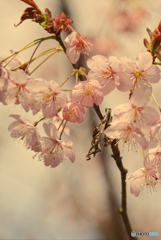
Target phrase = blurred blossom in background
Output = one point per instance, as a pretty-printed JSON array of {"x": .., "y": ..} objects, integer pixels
[{"x": 79, "y": 200}]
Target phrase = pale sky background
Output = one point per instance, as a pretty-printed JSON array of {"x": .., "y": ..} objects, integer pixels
[{"x": 70, "y": 201}]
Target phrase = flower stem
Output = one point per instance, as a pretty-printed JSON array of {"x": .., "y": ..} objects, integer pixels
[
  {"x": 143, "y": 153},
  {"x": 35, "y": 123},
  {"x": 76, "y": 77},
  {"x": 63, "y": 129},
  {"x": 67, "y": 79},
  {"x": 37, "y": 41},
  {"x": 42, "y": 62},
  {"x": 156, "y": 102},
  {"x": 32, "y": 56},
  {"x": 65, "y": 90},
  {"x": 60, "y": 124},
  {"x": 33, "y": 59}
]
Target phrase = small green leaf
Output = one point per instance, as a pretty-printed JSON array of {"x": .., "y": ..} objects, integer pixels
[{"x": 149, "y": 32}]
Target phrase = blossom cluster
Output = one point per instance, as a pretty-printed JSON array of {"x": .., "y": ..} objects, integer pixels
[{"x": 135, "y": 123}]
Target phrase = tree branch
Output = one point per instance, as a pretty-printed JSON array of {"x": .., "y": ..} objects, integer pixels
[
  {"x": 115, "y": 155},
  {"x": 123, "y": 171}
]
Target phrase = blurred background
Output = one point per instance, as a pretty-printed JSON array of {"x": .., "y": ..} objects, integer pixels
[{"x": 80, "y": 200}]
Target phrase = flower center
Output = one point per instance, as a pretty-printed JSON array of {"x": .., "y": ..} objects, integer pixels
[
  {"x": 89, "y": 90},
  {"x": 138, "y": 74},
  {"x": 107, "y": 74}
]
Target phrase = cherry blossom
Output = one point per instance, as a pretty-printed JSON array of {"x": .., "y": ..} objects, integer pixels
[
  {"x": 87, "y": 92},
  {"x": 49, "y": 98},
  {"x": 153, "y": 158},
  {"x": 140, "y": 73},
  {"x": 27, "y": 131},
  {"x": 136, "y": 112},
  {"x": 127, "y": 133},
  {"x": 16, "y": 90},
  {"x": 75, "y": 46},
  {"x": 74, "y": 112},
  {"x": 141, "y": 178},
  {"x": 62, "y": 22},
  {"x": 105, "y": 70},
  {"x": 55, "y": 150}
]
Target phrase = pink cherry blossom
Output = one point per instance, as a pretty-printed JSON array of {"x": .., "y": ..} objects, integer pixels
[
  {"x": 49, "y": 98},
  {"x": 127, "y": 133},
  {"x": 55, "y": 150},
  {"x": 105, "y": 70},
  {"x": 140, "y": 73},
  {"x": 75, "y": 46},
  {"x": 141, "y": 178},
  {"x": 27, "y": 131},
  {"x": 136, "y": 112},
  {"x": 87, "y": 92},
  {"x": 153, "y": 158},
  {"x": 16, "y": 91},
  {"x": 74, "y": 112},
  {"x": 62, "y": 22}
]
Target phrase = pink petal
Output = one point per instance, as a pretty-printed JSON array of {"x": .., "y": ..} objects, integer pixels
[
  {"x": 113, "y": 132},
  {"x": 152, "y": 75},
  {"x": 137, "y": 174},
  {"x": 140, "y": 97},
  {"x": 51, "y": 131},
  {"x": 108, "y": 87},
  {"x": 19, "y": 76},
  {"x": 20, "y": 118},
  {"x": 46, "y": 144},
  {"x": 37, "y": 85},
  {"x": 69, "y": 153},
  {"x": 150, "y": 116},
  {"x": 25, "y": 100},
  {"x": 128, "y": 64},
  {"x": 72, "y": 54},
  {"x": 62, "y": 99},
  {"x": 125, "y": 82},
  {"x": 122, "y": 111},
  {"x": 98, "y": 99},
  {"x": 141, "y": 140},
  {"x": 149, "y": 161},
  {"x": 136, "y": 187},
  {"x": 75, "y": 95},
  {"x": 97, "y": 62},
  {"x": 144, "y": 61},
  {"x": 87, "y": 101},
  {"x": 114, "y": 63},
  {"x": 94, "y": 83},
  {"x": 55, "y": 158}
]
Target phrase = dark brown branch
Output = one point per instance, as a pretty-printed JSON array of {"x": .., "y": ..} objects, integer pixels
[
  {"x": 116, "y": 156},
  {"x": 123, "y": 171}
]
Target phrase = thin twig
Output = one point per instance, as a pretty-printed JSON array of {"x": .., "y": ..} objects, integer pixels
[{"x": 123, "y": 171}]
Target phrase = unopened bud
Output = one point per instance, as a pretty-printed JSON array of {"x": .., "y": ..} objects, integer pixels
[
  {"x": 82, "y": 71},
  {"x": 146, "y": 43}
]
